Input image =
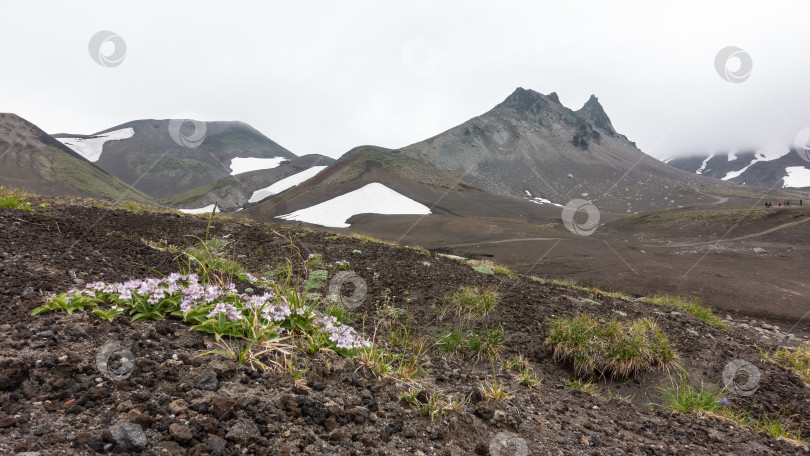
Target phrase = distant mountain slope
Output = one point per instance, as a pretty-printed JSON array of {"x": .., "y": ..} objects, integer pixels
[
  {"x": 33, "y": 160},
  {"x": 532, "y": 144},
  {"x": 235, "y": 192},
  {"x": 144, "y": 154},
  {"x": 411, "y": 178},
  {"x": 771, "y": 167}
]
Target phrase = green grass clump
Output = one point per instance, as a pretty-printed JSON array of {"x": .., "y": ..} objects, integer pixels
[
  {"x": 14, "y": 199},
  {"x": 471, "y": 302},
  {"x": 691, "y": 306},
  {"x": 585, "y": 386},
  {"x": 686, "y": 398},
  {"x": 621, "y": 348},
  {"x": 471, "y": 344},
  {"x": 211, "y": 256},
  {"x": 797, "y": 359},
  {"x": 489, "y": 267},
  {"x": 367, "y": 238}
]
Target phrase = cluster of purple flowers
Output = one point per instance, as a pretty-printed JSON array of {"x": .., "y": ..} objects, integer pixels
[
  {"x": 194, "y": 293},
  {"x": 341, "y": 335},
  {"x": 272, "y": 307},
  {"x": 265, "y": 305}
]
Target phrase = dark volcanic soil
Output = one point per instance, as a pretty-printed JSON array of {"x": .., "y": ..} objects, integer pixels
[{"x": 54, "y": 400}]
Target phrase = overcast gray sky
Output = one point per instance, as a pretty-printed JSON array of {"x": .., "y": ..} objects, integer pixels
[{"x": 323, "y": 77}]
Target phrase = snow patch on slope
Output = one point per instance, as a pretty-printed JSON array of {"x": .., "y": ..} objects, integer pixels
[
  {"x": 201, "y": 210},
  {"x": 91, "y": 148},
  {"x": 374, "y": 198},
  {"x": 766, "y": 154},
  {"x": 241, "y": 165},
  {"x": 703, "y": 166},
  {"x": 797, "y": 176},
  {"x": 284, "y": 184}
]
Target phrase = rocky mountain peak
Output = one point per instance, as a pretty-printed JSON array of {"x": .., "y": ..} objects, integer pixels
[{"x": 593, "y": 112}]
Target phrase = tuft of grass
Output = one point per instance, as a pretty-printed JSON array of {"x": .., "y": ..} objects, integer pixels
[
  {"x": 471, "y": 302},
  {"x": 211, "y": 256},
  {"x": 367, "y": 238},
  {"x": 432, "y": 403},
  {"x": 472, "y": 344},
  {"x": 452, "y": 341},
  {"x": 489, "y": 267},
  {"x": 686, "y": 398},
  {"x": 492, "y": 390},
  {"x": 586, "y": 386},
  {"x": 689, "y": 305},
  {"x": 520, "y": 364},
  {"x": 621, "y": 348},
  {"x": 14, "y": 199},
  {"x": 797, "y": 359}
]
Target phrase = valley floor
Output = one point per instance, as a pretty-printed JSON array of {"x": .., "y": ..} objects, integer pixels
[{"x": 54, "y": 400}]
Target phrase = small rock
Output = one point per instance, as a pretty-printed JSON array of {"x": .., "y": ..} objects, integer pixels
[
  {"x": 29, "y": 453},
  {"x": 78, "y": 281},
  {"x": 408, "y": 432},
  {"x": 766, "y": 326},
  {"x": 128, "y": 436},
  {"x": 208, "y": 381},
  {"x": 169, "y": 447},
  {"x": 180, "y": 432},
  {"x": 243, "y": 431},
  {"x": 216, "y": 442},
  {"x": 36, "y": 344},
  {"x": 744, "y": 325},
  {"x": 178, "y": 407},
  {"x": 224, "y": 408}
]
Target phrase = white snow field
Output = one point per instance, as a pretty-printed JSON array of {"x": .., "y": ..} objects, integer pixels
[
  {"x": 373, "y": 198},
  {"x": 284, "y": 184},
  {"x": 91, "y": 148},
  {"x": 241, "y": 165},
  {"x": 797, "y": 176},
  {"x": 201, "y": 210}
]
